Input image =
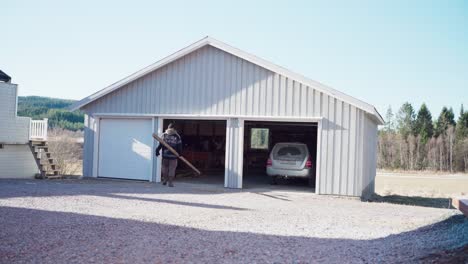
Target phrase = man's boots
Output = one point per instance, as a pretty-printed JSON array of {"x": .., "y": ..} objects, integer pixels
[{"x": 170, "y": 182}]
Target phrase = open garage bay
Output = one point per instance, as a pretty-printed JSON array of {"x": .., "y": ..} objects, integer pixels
[{"x": 259, "y": 139}]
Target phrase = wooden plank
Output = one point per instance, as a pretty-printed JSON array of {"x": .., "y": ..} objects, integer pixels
[
  {"x": 175, "y": 153},
  {"x": 461, "y": 203},
  {"x": 54, "y": 176}
]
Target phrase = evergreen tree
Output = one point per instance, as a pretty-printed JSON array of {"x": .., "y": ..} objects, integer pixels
[
  {"x": 55, "y": 109},
  {"x": 405, "y": 120},
  {"x": 446, "y": 119},
  {"x": 389, "y": 123},
  {"x": 462, "y": 125},
  {"x": 461, "y": 141},
  {"x": 423, "y": 125}
]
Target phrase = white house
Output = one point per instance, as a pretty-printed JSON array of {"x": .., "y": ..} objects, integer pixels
[
  {"x": 18, "y": 136},
  {"x": 215, "y": 92}
]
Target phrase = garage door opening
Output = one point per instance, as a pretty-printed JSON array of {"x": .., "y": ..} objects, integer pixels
[
  {"x": 259, "y": 140},
  {"x": 204, "y": 145}
]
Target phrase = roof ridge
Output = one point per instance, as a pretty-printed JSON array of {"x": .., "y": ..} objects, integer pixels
[{"x": 208, "y": 40}]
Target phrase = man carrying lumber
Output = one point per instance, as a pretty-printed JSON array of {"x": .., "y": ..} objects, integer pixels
[{"x": 169, "y": 162}]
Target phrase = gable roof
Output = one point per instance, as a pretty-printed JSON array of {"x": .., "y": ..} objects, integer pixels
[{"x": 243, "y": 55}]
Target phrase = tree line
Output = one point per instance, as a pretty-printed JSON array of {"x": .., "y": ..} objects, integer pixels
[
  {"x": 414, "y": 141},
  {"x": 56, "y": 110}
]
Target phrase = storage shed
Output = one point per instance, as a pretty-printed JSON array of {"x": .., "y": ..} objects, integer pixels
[{"x": 222, "y": 96}]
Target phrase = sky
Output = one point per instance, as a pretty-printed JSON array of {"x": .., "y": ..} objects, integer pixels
[{"x": 382, "y": 52}]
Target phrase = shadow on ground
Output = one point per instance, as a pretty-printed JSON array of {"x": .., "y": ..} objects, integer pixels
[
  {"x": 413, "y": 200},
  {"x": 118, "y": 189},
  {"x": 124, "y": 189},
  {"x": 37, "y": 236}
]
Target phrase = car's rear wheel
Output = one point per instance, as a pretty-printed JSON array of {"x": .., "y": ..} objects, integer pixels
[
  {"x": 311, "y": 181},
  {"x": 273, "y": 180}
]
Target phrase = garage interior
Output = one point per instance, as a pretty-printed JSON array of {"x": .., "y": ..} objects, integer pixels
[
  {"x": 204, "y": 145},
  {"x": 259, "y": 139}
]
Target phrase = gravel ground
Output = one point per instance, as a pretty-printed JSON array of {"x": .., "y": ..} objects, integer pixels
[{"x": 104, "y": 221}]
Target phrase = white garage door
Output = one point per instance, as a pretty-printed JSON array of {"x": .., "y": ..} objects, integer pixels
[{"x": 125, "y": 148}]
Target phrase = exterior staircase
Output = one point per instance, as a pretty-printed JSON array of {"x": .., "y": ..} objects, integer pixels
[
  {"x": 40, "y": 150},
  {"x": 44, "y": 160}
]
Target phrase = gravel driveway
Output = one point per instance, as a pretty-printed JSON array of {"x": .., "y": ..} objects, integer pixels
[{"x": 73, "y": 221}]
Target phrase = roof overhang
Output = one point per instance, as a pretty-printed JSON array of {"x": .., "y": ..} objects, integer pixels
[{"x": 243, "y": 55}]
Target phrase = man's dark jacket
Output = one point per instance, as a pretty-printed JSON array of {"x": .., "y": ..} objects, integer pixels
[{"x": 172, "y": 139}]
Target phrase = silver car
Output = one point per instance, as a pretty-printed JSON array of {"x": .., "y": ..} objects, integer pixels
[{"x": 289, "y": 160}]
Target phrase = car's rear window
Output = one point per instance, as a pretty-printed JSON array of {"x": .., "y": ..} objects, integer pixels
[{"x": 289, "y": 152}]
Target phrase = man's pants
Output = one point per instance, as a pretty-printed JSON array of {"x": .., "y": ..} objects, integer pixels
[{"x": 168, "y": 169}]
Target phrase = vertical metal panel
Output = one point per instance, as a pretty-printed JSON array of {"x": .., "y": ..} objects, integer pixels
[
  {"x": 304, "y": 98},
  {"x": 276, "y": 96},
  {"x": 158, "y": 129},
  {"x": 370, "y": 157},
  {"x": 95, "y": 125},
  {"x": 338, "y": 161},
  {"x": 234, "y": 153},
  {"x": 297, "y": 99},
  {"x": 226, "y": 82},
  {"x": 88, "y": 147},
  {"x": 212, "y": 82},
  {"x": 268, "y": 86},
  {"x": 317, "y": 103},
  {"x": 238, "y": 83},
  {"x": 345, "y": 158},
  {"x": 255, "y": 90},
  {"x": 352, "y": 150},
  {"x": 249, "y": 86},
  {"x": 289, "y": 97},
  {"x": 325, "y": 148},
  {"x": 282, "y": 96},
  {"x": 359, "y": 154},
  {"x": 330, "y": 143},
  {"x": 262, "y": 105}
]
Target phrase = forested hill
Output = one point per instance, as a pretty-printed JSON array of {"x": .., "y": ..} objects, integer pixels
[{"x": 55, "y": 109}]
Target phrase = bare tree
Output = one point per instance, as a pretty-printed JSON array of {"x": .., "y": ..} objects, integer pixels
[
  {"x": 451, "y": 141},
  {"x": 67, "y": 148},
  {"x": 412, "y": 145},
  {"x": 406, "y": 148}
]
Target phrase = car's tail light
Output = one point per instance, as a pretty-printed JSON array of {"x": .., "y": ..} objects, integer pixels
[
  {"x": 269, "y": 163},
  {"x": 308, "y": 163}
]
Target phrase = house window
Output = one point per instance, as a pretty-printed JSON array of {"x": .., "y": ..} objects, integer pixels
[{"x": 259, "y": 138}]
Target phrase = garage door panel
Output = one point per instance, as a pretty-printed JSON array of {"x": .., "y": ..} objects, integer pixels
[{"x": 125, "y": 148}]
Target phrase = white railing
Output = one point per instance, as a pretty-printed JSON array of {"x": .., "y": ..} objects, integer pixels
[{"x": 38, "y": 129}]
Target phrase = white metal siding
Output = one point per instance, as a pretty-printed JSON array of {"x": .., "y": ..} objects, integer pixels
[
  {"x": 157, "y": 162},
  {"x": 17, "y": 161},
  {"x": 234, "y": 142},
  {"x": 13, "y": 129},
  {"x": 88, "y": 147},
  {"x": 212, "y": 82},
  {"x": 370, "y": 162}
]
